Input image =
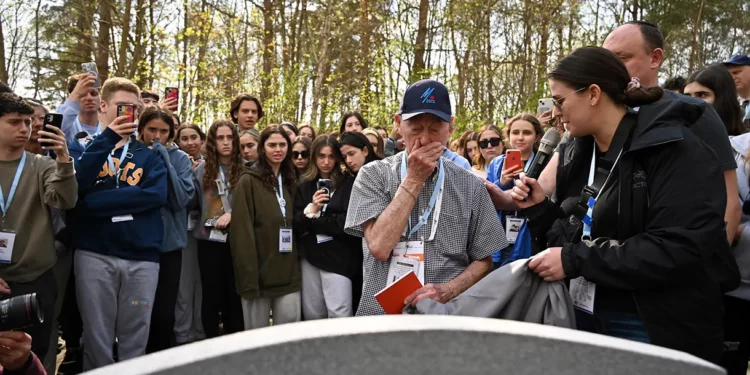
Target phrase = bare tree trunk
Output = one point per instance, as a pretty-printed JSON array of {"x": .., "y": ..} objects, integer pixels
[
  {"x": 417, "y": 70},
  {"x": 694, "y": 44},
  {"x": 37, "y": 60},
  {"x": 152, "y": 44},
  {"x": 122, "y": 64},
  {"x": 3, "y": 69},
  {"x": 364, "y": 59},
  {"x": 84, "y": 24},
  {"x": 490, "y": 71},
  {"x": 321, "y": 73},
  {"x": 268, "y": 50},
  {"x": 102, "y": 45},
  {"x": 139, "y": 47},
  {"x": 183, "y": 68}
]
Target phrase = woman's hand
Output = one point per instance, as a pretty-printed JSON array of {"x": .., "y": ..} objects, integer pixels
[
  {"x": 223, "y": 221},
  {"x": 508, "y": 175},
  {"x": 548, "y": 264},
  {"x": 320, "y": 198},
  {"x": 527, "y": 192}
]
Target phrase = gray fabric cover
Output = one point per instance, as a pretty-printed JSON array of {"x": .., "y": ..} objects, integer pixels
[{"x": 511, "y": 292}]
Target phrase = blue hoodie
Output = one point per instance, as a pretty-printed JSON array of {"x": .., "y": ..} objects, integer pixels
[
  {"x": 522, "y": 249},
  {"x": 142, "y": 193},
  {"x": 180, "y": 191}
]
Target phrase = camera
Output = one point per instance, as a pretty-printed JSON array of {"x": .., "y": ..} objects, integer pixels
[{"x": 20, "y": 312}]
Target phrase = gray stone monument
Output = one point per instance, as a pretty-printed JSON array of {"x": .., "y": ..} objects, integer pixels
[{"x": 414, "y": 345}]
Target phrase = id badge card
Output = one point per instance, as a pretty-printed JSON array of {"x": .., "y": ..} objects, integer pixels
[
  {"x": 192, "y": 220},
  {"x": 322, "y": 238},
  {"x": 121, "y": 218},
  {"x": 412, "y": 250},
  {"x": 285, "y": 240},
  {"x": 7, "y": 239},
  {"x": 513, "y": 226},
  {"x": 217, "y": 235},
  {"x": 221, "y": 189},
  {"x": 582, "y": 292}
]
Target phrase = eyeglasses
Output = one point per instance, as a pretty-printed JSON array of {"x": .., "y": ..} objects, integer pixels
[
  {"x": 300, "y": 154},
  {"x": 559, "y": 102},
  {"x": 485, "y": 143}
]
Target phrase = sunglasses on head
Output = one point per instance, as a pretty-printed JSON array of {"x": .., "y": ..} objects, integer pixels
[
  {"x": 304, "y": 154},
  {"x": 485, "y": 143}
]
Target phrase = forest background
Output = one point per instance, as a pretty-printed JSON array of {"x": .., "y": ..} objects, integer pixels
[{"x": 312, "y": 60}]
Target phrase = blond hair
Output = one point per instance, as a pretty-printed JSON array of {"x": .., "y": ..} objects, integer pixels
[{"x": 115, "y": 84}]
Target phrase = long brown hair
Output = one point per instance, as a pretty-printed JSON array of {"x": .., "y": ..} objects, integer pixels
[
  {"x": 287, "y": 170},
  {"x": 478, "y": 158},
  {"x": 212, "y": 156},
  {"x": 312, "y": 172}
]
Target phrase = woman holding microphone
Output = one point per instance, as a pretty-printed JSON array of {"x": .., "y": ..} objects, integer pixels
[{"x": 645, "y": 263}]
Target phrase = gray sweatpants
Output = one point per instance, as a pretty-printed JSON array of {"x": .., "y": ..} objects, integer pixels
[
  {"x": 324, "y": 294},
  {"x": 257, "y": 312},
  {"x": 115, "y": 297},
  {"x": 188, "y": 324}
]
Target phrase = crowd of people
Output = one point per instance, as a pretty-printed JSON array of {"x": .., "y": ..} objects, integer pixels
[{"x": 142, "y": 233}]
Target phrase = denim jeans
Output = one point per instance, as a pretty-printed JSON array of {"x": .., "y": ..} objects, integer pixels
[{"x": 627, "y": 326}]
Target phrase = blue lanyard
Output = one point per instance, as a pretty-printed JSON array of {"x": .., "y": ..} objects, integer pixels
[
  {"x": 3, "y": 203},
  {"x": 223, "y": 178},
  {"x": 123, "y": 156},
  {"x": 435, "y": 193},
  {"x": 281, "y": 200}
]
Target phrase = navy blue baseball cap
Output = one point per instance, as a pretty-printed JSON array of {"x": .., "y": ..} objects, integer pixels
[
  {"x": 426, "y": 96},
  {"x": 738, "y": 60}
]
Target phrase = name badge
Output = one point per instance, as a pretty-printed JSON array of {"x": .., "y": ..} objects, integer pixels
[
  {"x": 582, "y": 292},
  {"x": 285, "y": 240},
  {"x": 221, "y": 189},
  {"x": 513, "y": 226},
  {"x": 7, "y": 239},
  {"x": 121, "y": 218},
  {"x": 407, "y": 253},
  {"x": 192, "y": 220},
  {"x": 217, "y": 235},
  {"x": 323, "y": 238}
]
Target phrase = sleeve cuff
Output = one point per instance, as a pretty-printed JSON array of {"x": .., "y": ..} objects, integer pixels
[
  {"x": 568, "y": 263},
  {"x": 65, "y": 168},
  {"x": 309, "y": 214},
  {"x": 538, "y": 211}
]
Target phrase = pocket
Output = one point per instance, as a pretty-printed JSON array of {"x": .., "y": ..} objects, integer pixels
[{"x": 456, "y": 239}]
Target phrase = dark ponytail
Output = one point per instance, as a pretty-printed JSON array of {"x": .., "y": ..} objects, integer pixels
[{"x": 588, "y": 66}]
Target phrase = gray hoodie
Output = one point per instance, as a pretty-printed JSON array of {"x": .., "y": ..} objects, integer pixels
[
  {"x": 180, "y": 190},
  {"x": 741, "y": 250}
]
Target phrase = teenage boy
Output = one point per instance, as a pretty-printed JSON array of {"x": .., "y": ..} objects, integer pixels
[
  {"x": 117, "y": 232},
  {"x": 30, "y": 185},
  {"x": 245, "y": 111},
  {"x": 81, "y": 110}
]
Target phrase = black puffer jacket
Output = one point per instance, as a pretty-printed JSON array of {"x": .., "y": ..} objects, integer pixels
[{"x": 671, "y": 251}]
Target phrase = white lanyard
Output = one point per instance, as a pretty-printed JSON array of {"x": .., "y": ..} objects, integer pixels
[
  {"x": 123, "y": 157},
  {"x": 437, "y": 195},
  {"x": 529, "y": 162},
  {"x": 281, "y": 200},
  {"x": 3, "y": 203},
  {"x": 592, "y": 201},
  {"x": 224, "y": 179}
]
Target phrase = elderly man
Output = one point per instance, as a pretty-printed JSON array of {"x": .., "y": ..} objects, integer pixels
[
  {"x": 739, "y": 67},
  {"x": 419, "y": 212}
]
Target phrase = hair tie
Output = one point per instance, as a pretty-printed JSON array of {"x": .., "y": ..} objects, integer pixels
[{"x": 633, "y": 85}]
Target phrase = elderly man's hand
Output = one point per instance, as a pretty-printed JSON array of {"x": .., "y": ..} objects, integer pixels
[
  {"x": 15, "y": 348},
  {"x": 438, "y": 292}
]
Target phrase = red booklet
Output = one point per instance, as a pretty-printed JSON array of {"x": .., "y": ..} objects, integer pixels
[{"x": 392, "y": 297}]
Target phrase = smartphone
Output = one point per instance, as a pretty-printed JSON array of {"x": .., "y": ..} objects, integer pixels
[
  {"x": 51, "y": 119},
  {"x": 545, "y": 105},
  {"x": 512, "y": 159},
  {"x": 126, "y": 110},
  {"x": 172, "y": 92},
  {"x": 91, "y": 69},
  {"x": 326, "y": 185}
]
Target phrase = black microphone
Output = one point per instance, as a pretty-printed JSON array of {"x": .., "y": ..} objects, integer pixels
[{"x": 546, "y": 149}]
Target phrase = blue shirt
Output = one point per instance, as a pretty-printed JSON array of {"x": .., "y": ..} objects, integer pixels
[{"x": 457, "y": 159}]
